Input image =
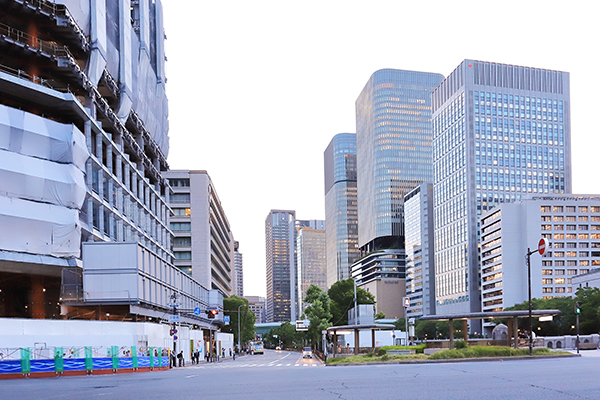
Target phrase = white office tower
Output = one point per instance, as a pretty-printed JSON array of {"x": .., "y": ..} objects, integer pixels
[
  {"x": 500, "y": 132},
  {"x": 420, "y": 267}
]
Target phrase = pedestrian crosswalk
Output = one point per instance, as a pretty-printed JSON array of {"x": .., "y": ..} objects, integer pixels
[{"x": 254, "y": 365}]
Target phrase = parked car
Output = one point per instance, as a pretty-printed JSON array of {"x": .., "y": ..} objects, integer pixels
[
  {"x": 278, "y": 348},
  {"x": 307, "y": 352}
]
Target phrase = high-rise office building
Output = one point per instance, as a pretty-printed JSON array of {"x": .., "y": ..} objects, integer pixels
[
  {"x": 570, "y": 224},
  {"x": 394, "y": 155},
  {"x": 239, "y": 269},
  {"x": 420, "y": 267},
  {"x": 83, "y": 141},
  {"x": 311, "y": 261},
  {"x": 394, "y": 151},
  {"x": 341, "y": 207},
  {"x": 203, "y": 245},
  {"x": 279, "y": 244},
  {"x": 500, "y": 132}
]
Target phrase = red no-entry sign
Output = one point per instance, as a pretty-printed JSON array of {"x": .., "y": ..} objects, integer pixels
[{"x": 542, "y": 246}]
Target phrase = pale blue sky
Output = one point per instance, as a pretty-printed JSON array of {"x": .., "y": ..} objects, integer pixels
[{"x": 257, "y": 89}]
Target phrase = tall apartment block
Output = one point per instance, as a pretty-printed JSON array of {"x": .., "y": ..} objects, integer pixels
[
  {"x": 203, "y": 244},
  {"x": 570, "y": 223},
  {"x": 279, "y": 245},
  {"x": 394, "y": 155},
  {"x": 83, "y": 142},
  {"x": 311, "y": 261},
  {"x": 341, "y": 207},
  {"x": 420, "y": 266},
  {"x": 239, "y": 269},
  {"x": 500, "y": 132}
]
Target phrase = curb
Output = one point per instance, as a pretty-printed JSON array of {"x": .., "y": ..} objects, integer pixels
[{"x": 453, "y": 360}]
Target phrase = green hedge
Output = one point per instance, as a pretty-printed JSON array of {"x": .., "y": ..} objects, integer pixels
[{"x": 486, "y": 351}]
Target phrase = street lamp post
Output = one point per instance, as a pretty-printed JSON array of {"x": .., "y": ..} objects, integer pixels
[
  {"x": 239, "y": 330},
  {"x": 542, "y": 246}
]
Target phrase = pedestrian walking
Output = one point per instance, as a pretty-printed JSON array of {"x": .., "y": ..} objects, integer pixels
[{"x": 180, "y": 358}]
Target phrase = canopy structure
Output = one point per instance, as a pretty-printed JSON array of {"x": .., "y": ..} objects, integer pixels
[
  {"x": 356, "y": 328},
  {"x": 511, "y": 316}
]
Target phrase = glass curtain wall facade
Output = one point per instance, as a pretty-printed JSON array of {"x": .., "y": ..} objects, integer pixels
[
  {"x": 394, "y": 149},
  {"x": 280, "y": 262},
  {"x": 500, "y": 132},
  {"x": 341, "y": 207}
]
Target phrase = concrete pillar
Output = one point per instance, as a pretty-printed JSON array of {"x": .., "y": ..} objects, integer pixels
[
  {"x": 335, "y": 343},
  {"x": 356, "y": 341},
  {"x": 373, "y": 339},
  {"x": 465, "y": 330},
  {"x": 516, "y": 331},
  {"x": 37, "y": 298},
  {"x": 451, "y": 330}
]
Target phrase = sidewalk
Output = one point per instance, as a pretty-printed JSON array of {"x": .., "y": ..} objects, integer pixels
[{"x": 586, "y": 353}]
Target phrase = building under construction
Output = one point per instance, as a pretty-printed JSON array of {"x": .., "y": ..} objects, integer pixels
[{"x": 83, "y": 140}]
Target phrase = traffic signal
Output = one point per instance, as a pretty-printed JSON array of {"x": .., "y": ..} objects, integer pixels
[
  {"x": 212, "y": 313},
  {"x": 577, "y": 308},
  {"x": 173, "y": 331}
]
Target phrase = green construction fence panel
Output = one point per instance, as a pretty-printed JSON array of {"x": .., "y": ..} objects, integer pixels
[
  {"x": 114, "y": 351},
  {"x": 26, "y": 360},
  {"x": 89, "y": 359},
  {"x": 59, "y": 362},
  {"x": 134, "y": 357}
]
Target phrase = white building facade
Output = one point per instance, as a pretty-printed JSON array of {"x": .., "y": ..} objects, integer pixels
[
  {"x": 570, "y": 223},
  {"x": 203, "y": 244},
  {"x": 420, "y": 266}
]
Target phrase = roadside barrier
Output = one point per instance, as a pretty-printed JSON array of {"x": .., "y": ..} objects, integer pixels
[{"x": 57, "y": 361}]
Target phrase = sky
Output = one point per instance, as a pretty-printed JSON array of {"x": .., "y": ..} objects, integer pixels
[{"x": 257, "y": 89}]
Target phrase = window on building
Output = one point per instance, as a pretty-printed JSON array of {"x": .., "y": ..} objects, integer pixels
[
  {"x": 547, "y": 290},
  {"x": 547, "y": 281},
  {"x": 182, "y": 255},
  {"x": 570, "y": 208},
  {"x": 559, "y": 290},
  {"x": 545, "y": 209},
  {"x": 182, "y": 212},
  {"x": 571, "y": 272},
  {"x": 559, "y": 281},
  {"x": 546, "y": 272},
  {"x": 560, "y": 271},
  {"x": 181, "y": 226},
  {"x": 558, "y": 218},
  {"x": 558, "y": 208},
  {"x": 179, "y": 198},
  {"x": 182, "y": 241},
  {"x": 583, "y": 209},
  {"x": 595, "y": 209},
  {"x": 179, "y": 182}
]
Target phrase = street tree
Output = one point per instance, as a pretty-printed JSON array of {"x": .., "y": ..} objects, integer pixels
[
  {"x": 341, "y": 294},
  {"x": 231, "y": 305},
  {"x": 286, "y": 335},
  {"x": 318, "y": 313}
]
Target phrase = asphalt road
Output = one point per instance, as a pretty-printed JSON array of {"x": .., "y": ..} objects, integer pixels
[{"x": 285, "y": 375}]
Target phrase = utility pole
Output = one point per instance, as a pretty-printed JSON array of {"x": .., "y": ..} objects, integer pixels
[
  {"x": 577, "y": 312},
  {"x": 239, "y": 329},
  {"x": 355, "y": 305}
]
